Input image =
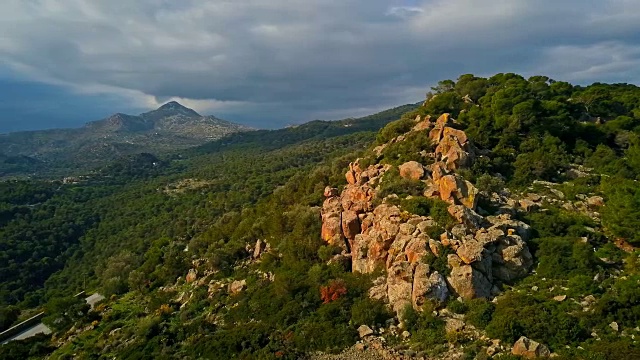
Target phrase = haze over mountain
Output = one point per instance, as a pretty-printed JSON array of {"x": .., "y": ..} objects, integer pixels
[{"x": 170, "y": 127}]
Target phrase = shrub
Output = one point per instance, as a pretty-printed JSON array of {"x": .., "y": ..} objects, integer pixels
[
  {"x": 479, "y": 312},
  {"x": 547, "y": 321},
  {"x": 369, "y": 311},
  {"x": 333, "y": 291},
  {"x": 489, "y": 184},
  {"x": 562, "y": 257},
  {"x": 394, "y": 129},
  {"x": 457, "y": 307},
  {"x": 392, "y": 183},
  {"x": 408, "y": 150},
  {"x": 326, "y": 252}
]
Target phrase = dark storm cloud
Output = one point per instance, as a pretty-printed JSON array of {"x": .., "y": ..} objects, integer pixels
[{"x": 273, "y": 62}]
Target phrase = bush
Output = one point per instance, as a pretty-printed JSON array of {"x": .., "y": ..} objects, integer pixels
[
  {"x": 394, "y": 129},
  {"x": 392, "y": 183},
  {"x": 326, "y": 252},
  {"x": 489, "y": 184},
  {"x": 439, "y": 263},
  {"x": 547, "y": 321},
  {"x": 479, "y": 312},
  {"x": 457, "y": 307},
  {"x": 369, "y": 312},
  {"x": 408, "y": 150},
  {"x": 563, "y": 257}
]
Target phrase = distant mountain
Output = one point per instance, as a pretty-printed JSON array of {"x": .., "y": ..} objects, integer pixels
[{"x": 62, "y": 151}]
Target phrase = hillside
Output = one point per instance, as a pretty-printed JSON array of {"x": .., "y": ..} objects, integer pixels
[
  {"x": 496, "y": 220},
  {"x": 65, "y": 152}
]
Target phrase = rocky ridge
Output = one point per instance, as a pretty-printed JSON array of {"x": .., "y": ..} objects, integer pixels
[{"x": 482, "y": 252}]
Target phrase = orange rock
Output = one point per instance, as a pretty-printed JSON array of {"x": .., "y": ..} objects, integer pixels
[
  {"x": 331, "y": 231},
  {"x": 443, "y": 120},
  {"x": 357, "y": 198},
  {"x": 191, "y": 276},
  {"x": 447, "y": 185},
  {"x": 350, "y": 224},
  {"x": 459, "y": 135},
  {"x": 416, "y": 249},
  {"x": 412, "y": 170},
  {"x": 425, "y": 124},
  {"x": 351, "y": 177},
  {"x": 456, "y": 190},
  {"x": 353, "y": 174},
  {"x": 438, "y": 170}
]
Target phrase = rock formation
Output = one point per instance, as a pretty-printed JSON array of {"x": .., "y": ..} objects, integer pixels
[
  {"x": 481, "y": 252},
  {"x": 530, "y": 349}
]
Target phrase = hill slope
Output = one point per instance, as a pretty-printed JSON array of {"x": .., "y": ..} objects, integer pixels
[{"x": 507, "y": 226}]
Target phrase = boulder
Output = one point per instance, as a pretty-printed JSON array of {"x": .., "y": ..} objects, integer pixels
[
  {"x": 259, "y": 248},
  {"x": 470, "y": 251},
  {"x": 332, "y": 231},
  {"x": 357, "y": 198},
  {"x": 417, "y": 249},
  {"x": 364, "y": 331},
  {"x": 515, "y": 260},
  {"x": 237, "y": 286},
  {"x": 330, "y": 192},
  {"x": 466, "y": 216},
  {"x": 350, "y": 224},
  {"x": 595, "y": 201},
  {"x": 412, "y": 170},
  {"x": 469, "y": 283},
  {"x": 428, "y": 287},
  {"x": 528, "y": 205},
  {"x": 530, "y": 349},
  {"x": 399, "y": 285},
  {"x": 353, "y": 175},
  {"x": 457, "y": 191},
  {"x": 192, "y": 275}
]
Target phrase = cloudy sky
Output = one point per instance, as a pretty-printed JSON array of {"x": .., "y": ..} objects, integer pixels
[{"x": 269, "y": 63}]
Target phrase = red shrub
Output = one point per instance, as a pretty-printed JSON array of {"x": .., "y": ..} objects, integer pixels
[{"x": 333, "y": 291}]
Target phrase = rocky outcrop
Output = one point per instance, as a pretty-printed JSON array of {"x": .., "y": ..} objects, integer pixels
[
  {"x": 453, "y": 147},
  {"x": 530, "y": 349},
  {"x": 481, "y": 252}
]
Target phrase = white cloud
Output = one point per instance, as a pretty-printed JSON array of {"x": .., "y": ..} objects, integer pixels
[
  {"x": 404, "y": 11},
  {"x": 305, "y": 59}
]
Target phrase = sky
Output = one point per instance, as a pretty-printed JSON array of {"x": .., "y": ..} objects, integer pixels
[{"x": 272, "y": 63}]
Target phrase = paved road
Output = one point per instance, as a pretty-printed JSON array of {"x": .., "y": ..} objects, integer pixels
[
  {"x": 93, "y": 299},
  {"x": 40, "y": 328}
]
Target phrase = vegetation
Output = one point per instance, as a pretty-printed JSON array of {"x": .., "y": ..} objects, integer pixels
[{"x": 119, "y": 231}]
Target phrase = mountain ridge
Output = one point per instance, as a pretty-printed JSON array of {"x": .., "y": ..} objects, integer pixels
[{"x": 170, "y": 127}]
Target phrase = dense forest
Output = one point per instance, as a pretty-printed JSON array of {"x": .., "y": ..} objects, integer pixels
[{"x": 171, "y": 242}]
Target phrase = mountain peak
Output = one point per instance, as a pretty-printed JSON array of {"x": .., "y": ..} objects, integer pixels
[
  {"x": 173, "y": 105},
  {"x": 176, "y": 106},
  {"x": 170, "y": 109}
]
